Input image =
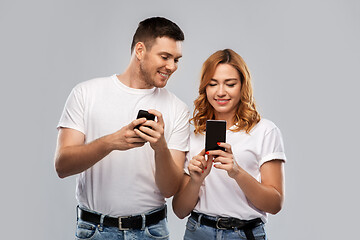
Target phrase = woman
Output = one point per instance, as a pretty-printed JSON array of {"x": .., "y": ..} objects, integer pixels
[{"x": 229, "y": 193}]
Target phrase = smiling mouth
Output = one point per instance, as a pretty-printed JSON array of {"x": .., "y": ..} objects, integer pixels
[
  {"x": 222, "y": 101},
  {"x": 165, "y": 75}
]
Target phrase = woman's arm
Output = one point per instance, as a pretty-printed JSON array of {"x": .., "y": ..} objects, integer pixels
[
  {"x": 267, "y": 195},
  {"x": 187, "y": 197}
]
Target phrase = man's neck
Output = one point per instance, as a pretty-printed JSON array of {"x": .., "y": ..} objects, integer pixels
[{"x": 131, "y": 78}]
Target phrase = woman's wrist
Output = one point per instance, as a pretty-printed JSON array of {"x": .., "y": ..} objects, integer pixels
[
  {"x": 236, "y": 172},
  {"x": 196, "y": 183}
]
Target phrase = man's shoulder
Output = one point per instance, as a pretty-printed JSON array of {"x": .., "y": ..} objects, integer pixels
[{"x": 94, "y": 83}]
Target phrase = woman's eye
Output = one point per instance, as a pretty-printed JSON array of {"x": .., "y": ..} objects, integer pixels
[
  {"x": 164, "y": 57},
  {"x": 230, "y": 85},
  {"x": 212, "y": 84}
]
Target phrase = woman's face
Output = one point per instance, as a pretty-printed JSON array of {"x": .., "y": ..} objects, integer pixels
[{"x": 223, "y": 91}]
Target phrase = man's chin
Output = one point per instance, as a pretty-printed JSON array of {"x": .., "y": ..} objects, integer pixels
[{"x": 160, "y": 84}]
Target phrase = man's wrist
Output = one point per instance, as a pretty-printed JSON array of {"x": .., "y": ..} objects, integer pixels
[
  {"x": 160, "y": 147},
  {"x": 107, "y": 143}
]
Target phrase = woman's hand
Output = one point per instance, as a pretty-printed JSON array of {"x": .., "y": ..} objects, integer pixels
[
  {"x": 187, "y": 196},
  {"x": 225, "y": 160},
  {"x": 199, "y": 167}
]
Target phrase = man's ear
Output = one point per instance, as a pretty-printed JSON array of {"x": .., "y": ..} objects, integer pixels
[{"x": 140, "y": 50}]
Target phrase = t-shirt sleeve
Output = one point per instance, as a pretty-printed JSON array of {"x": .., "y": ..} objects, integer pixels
[
  {"x": 73, "y": 113},
  {"x": 186, "y": 164},
  {"x": 272, "y": 147},
  {"x": 180, "y": 136}
]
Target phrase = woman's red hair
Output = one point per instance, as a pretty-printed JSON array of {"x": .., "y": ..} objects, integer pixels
[{"x": 246, "y": 115}]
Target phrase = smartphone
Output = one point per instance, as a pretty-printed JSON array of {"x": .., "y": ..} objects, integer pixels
[
  {"x": 215, "y": 132},
  {"x": 145, "y": 114}
]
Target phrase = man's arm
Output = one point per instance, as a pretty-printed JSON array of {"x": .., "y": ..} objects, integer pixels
[
  {"x": 169, "y": 170},
  {"x": 168, "y": 163},
  {"x": 73, "y": 156}
]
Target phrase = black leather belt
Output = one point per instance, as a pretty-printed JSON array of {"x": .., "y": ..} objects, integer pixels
[
  {"x": 227, "y": 223},
  {"x": 123, "y": 223}
]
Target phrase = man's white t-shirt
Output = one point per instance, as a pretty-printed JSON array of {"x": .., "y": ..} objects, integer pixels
[
  {"x": 219, "y": 194},
  {"x": 123, "y": 182}
]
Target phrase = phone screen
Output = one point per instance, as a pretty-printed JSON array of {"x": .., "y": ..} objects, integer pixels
[
  {"x": 215, "y": 132},
  {"x": 145, "y": 114}
]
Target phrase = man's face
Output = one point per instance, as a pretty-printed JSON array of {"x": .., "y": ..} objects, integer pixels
[{"x": 160, "y": 62}]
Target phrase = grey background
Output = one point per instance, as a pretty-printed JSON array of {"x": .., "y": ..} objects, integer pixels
[{"x": 304, "y": 58}]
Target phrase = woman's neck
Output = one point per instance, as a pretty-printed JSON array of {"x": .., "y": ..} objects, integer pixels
[{"x": 228, "y": 117}]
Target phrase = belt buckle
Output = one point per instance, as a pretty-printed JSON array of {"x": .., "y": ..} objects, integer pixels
[
  {"x": 217, "y": 223},
  {"x": 120, "y": 224}
]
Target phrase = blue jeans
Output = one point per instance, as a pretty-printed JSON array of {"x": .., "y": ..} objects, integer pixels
[
  {"x": 195, "y": 231},
  {"x": 87, "y": 230}
]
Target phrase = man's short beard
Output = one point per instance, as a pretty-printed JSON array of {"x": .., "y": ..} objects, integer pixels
[{"x": 144, "y": 74}]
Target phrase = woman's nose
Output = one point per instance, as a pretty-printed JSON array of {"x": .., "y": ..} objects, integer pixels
[{"x": 221, "y": 91}]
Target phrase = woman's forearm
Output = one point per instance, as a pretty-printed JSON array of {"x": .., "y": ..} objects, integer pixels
[
  {"x": 265, "y": 196},
  {"x": 187, "y": 197}
]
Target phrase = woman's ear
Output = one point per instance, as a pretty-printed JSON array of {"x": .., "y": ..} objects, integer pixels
[{"x": 139, "y": 50}]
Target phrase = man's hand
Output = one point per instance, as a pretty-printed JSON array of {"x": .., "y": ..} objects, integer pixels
[
  {"x": 153, "y": 132},
  {"x": 126, "y": 138}
]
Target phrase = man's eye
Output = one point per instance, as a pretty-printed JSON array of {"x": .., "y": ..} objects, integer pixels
[{"x": 164, "y": 57}]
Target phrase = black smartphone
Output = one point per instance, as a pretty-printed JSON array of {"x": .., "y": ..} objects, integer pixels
[
  {"x": 145, "y": 114},
  {"x": 215, "y": 132}
]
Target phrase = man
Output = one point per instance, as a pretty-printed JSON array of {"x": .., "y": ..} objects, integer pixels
[{"x": 126, "y": 172}]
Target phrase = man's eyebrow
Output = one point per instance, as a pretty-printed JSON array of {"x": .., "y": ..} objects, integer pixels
[{"x": 169, "y": 54}]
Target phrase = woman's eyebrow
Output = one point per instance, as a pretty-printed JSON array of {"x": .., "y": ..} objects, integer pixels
[{"x": 226, "y": 80}]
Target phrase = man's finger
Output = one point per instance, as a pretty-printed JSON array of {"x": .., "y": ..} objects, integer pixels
[
  {"x": 134, "y": 145},
  {"x": 158, "y": 115},
  {"x": 136, "y": 140},
  {"x": 136, "y": 122}
]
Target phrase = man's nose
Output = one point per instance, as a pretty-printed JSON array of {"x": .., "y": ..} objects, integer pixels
[{"x": 171, "y": 65}]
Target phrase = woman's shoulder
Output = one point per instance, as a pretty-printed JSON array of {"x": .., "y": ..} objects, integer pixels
[
  {"x": 267, "y": 123},
  {"x": 264, "y": 125},
  {"x": 194, "y": 135}
]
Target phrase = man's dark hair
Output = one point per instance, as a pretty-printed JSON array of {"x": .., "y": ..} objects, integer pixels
[{"x": 154, "y": 27}]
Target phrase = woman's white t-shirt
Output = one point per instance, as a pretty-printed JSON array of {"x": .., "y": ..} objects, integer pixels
[{"x": 219, "y": 194}]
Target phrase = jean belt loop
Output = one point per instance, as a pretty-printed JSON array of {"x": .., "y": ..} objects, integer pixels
[
  {"x": 101, "y": 225},
  {"x": 77, "y": 213},
  {"x": 143, "y": 222},
  {"x": 199, "y": 219}
]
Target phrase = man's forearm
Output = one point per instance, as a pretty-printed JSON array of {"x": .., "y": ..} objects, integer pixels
[
  {"x": 168, "y": 174},
  {"x": 71, "y": 160}
]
